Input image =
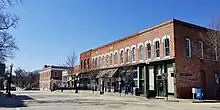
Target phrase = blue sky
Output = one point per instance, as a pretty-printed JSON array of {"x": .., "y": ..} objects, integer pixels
[{"x": 49, "y": 30}]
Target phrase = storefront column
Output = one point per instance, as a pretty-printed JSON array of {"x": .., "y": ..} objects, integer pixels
[
  {"x": 145, "y": 81},
  {"x": 138, "y": 74},
  {"x": 175, "y": 71}
]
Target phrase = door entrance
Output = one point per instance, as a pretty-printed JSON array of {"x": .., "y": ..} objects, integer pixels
[{"x": 160, "y": 86}]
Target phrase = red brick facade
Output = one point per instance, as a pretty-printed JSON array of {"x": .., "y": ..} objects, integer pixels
[
  {"x": 189, "y": 72},
  {"x": 85, "y": 61},
  {"x": 50, "y": 73}
]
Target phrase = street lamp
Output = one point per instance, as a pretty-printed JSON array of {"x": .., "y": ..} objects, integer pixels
[
  {"x": 76, "y": 83},
  {"x": 9, "y": 82},
  {"x": 119, "y": 79}
]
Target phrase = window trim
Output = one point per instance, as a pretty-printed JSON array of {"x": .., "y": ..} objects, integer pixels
[
  {"x": 141, "y": 44},
  {"x": 127, "y": 55},
  {"x": 107, "y": 59},
  {"x": 148, "y": 42},
  {"x": 121, "y": 50},
  {"x": 187, "y": 39},
  {"x": 202, "y": 50},
  {"x": 99, "y": 60},
  {"x": 111, "y": 54},
  {"x": 103, "y": 60},
  {"x": 96, "y": 61},
  {"x": 154, "y": 43},
  {"x": 133, "y": 60},
  {"x": 116, "y": 51},
  {"x": 164, "y": 49},
  {"x": 216, "y": 54}
]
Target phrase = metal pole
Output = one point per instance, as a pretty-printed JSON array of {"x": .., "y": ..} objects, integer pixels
[{"x": 9, "y": 81}]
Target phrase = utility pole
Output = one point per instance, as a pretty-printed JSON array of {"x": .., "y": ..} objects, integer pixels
[{"x": 9, "y": 81}]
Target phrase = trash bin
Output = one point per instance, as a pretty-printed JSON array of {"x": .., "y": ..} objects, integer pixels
[
  {"x": 199, "y": 94},
  {"x": 137, "y": 92}
]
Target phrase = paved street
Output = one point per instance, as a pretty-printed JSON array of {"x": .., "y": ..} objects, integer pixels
[{"x": 87, "y": 100}]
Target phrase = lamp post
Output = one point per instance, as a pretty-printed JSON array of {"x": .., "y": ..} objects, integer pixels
[
  {"x": 76, "y": 79},
  {"x": 120, "y": 84}
]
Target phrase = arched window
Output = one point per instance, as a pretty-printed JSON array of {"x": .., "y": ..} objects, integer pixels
[
  {"x": 110, "y": 61},
  {"x": 103, "y": 62},
  {"x": 156, "y": 43},
  {"x": 133, "y": 53},
  {"x": 106, "y": 60},
  {"x": 148, "y": 50},
  {"x": 127, "y": 54},
  {"x": 116, "y": 57},
  {"x": 141, "y": 51},
  {"x": 166, "y": 45},
  {"x": 122, "y": 56}
]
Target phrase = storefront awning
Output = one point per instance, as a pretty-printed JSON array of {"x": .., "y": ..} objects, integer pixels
[
  {"x": 111, "y": 73},
  {"x": 101, "y": 74},
  {"x": 106, "y": 73}
]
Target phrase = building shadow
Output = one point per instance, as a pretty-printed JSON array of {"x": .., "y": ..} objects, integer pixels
[{"x": 14, "y": 101}]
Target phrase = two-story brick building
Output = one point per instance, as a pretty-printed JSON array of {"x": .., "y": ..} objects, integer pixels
[
  {"x": 50, "y": 75},
  {"x": 153, "y": 57}
]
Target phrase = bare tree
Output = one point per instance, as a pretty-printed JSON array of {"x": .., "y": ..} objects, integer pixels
[
  {"x": 7, "y": 21},
  {"x": 71, "y": 61}
]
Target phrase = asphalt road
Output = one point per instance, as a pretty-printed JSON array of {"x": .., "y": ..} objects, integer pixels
[{"x": 88, "y": 101}]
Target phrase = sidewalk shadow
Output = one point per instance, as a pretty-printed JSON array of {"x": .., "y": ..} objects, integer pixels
[{"x": 14, "y": 101}]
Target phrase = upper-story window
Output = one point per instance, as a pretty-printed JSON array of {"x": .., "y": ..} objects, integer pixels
[
  {"x": 157, "y": 48},
  {"x": 96, "y": 62},
  {"x": 116, "y": 58},
  {"x": 141, "y": 52},
  {"x": 81, "y": 64},
  {"x": 99, "y": 61},
  {"x": 200, "y": 48},
  {"x": 88, "y": 62},
  {"x": 55, "y": 74},
  {"x": 103, "y": 62},
  {"x": 215, "y": 53},
  {"x": 110, "y": 62},
  {"x": 166, "y": 47},
  {"x": 133, "y": 52},
  {"x": 121, "y": 56},
  {"x": 148, "y": 50},
  {"x": 106, "y": 60},
  {"x": 84, "y": 65},
  {"x": 127, "y": 55},
  {"x": 188, "y": 48}
]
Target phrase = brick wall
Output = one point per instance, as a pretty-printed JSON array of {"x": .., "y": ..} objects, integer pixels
[
  {"x": 192, "y": 72},
  {"x": 150, "y": 34},
  {"x": 85, "y": 61}
]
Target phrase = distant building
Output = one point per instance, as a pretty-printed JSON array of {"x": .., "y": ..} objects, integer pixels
[
  {"x": 50, "y": 75},
  {"x": 2, "y": 72}
]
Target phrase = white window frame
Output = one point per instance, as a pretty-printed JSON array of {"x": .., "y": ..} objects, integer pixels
[
  {"x": 127, "y": 57},
  {"x": 216, "y": 54},
  {"x": 100, "y": 60},
  {"x": 133, "y": 60},
  {"x": 93, "y": 62},
  {"x": 201, "y": 51},
  {"x": 122, "y": 51},
  {"x": 103, "y": 60},
  {"x": 115, "y": 58},
  {"x": 164, "y": 49},
  {"x": 106, "y": 59},
  {"x": 96, "y": 61},
  {"x": 187, "y": 39},
  {"x": 111, "y": 55},
  {"x": 154, "y": 43},
  {"x": 141, "y": 44},
  {"x": 147, "y": 58}
]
